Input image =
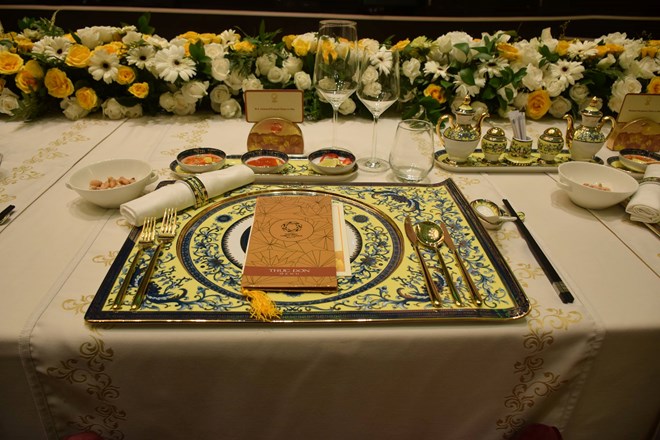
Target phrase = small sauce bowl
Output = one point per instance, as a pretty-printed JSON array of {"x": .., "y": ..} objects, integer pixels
[
  {"x": 637, "y": 160},
  {"x": 201, "y": 160},
  {"x": 332, "y": 161},
  {"x": 265, "y": 161}
]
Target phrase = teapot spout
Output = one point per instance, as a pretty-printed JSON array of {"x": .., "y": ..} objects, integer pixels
[{"x": 570, "y": 130}]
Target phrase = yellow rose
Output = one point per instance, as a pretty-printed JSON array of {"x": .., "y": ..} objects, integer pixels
[
  {"x": 562, "y": 47},
  {"x": 78, "y": 56},
  {"x": 191, "y": 36},
  {"x": 87, "y": 98},
  {"x": 28, "y": 78},
  {"x": 125, "y": 75},
  {"x": 508, "y": 51},
  {"x": 208, "y": 38},
  {"x": 301, "y": 46},
  {"x": 10, "y": 63},
  {"x": 654, "y": 86},
  {"x": 244, "y": 46},
  {"x": 116, "y": 47},
  {"x": 58, "y": 84},
  {"x": 139, "y": 90},
  {"x": 436, "y": 92},
  {"x": 23, "y": 44},
  {"x": 538, "y": 104},
  {"x": 288, "y": 40},
  {"x": 399, "y": 46},
  {"x": 649, "y": 51},
  {"x": 328, "y": 51}
]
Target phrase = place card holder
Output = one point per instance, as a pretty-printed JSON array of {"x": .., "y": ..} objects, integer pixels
[{"x": 198, "y": 189}]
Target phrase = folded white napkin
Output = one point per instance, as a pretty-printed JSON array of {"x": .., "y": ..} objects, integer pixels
[
  {"x": 179, "y": 195},
  {"x": 644, "y": 206}
]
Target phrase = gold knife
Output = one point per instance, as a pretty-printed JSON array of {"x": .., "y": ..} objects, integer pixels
[
  {"x": 450, "y": 243},
  {"x": 431, "y": 287}
]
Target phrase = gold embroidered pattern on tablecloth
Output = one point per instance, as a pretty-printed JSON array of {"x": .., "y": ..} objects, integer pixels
[
  {"x": 536, "y": 382},
  {"x": 106, "y": 259},
  {"x": 193, "y": 136}
]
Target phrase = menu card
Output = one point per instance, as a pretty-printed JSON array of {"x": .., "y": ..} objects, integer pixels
[{"x": 291, "y": 245}]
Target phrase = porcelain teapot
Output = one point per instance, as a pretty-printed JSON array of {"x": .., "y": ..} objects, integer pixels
[
  {"x": 462, "y": 133},
  {"x": 585, "y": 140}
]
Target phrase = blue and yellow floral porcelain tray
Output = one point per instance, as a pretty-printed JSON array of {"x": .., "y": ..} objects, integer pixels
[{"x": 198, "y": 277}]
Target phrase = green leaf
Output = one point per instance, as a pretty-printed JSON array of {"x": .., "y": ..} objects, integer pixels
[
  {"x": 467, "y": 76},
  {"x": 143, "y": 25},
  {"x": 463, "y": 47}
]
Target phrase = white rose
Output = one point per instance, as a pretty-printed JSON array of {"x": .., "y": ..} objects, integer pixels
[
  {"x": 131, "y": 37},
  {"x": 166, "y": 101},
  {"x": 347, "y": 107},
  {"x": 444, "y": 43},
  {"x": 554, "y": 86},
  {"x": 278, "y": 75},
  {"x": 579, "y": 93},
  {"x": 220, "y": 68},
  {"x": 533, "y": 78},
  {"x": 193, "y": 91},
  {"x": 372, "y": 89},
  {"x": 8, "y": 102},
  {"x": 134, "y": 111},
  {"x": 112, "y": 109},
  {"x": 251, "y": 83},
  {"x": 411, "y": 69},
  {"x": 234, "y": 81},
  {"x": 559, "y": 107},
  {"x": 72, "y": 110},
  {"x": 220, "y": 94},
  {"x": 302, "y": 80},
  {"x": 182, "y": 106},
  {"x": 293, "y": 65},
  {"x": 606, "y": 62},
  {"x": 89, "y": 36},
  {"x": 620, "y": 89},
  {"x": 264, "y": 63},
  {"x": 230, "y": 109},
  {"x": 369, "y": 75},
  {"x": 214, "y": 50}
]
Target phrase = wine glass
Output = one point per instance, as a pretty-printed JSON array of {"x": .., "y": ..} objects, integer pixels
[
  {"x": 378, "y": 90},
  {"x": 337, "y": 64}
]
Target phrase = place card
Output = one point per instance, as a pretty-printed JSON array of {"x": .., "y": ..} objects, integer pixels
[
  {"x": 274, "y": 103},
  {"x": 291, "y": 245}
]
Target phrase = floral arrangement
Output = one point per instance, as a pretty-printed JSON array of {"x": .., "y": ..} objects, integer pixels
[{"x": 129, "y": 71}]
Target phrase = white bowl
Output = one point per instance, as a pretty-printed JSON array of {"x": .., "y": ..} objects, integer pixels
[
  {"x": 637, "y": 160},
  {"x": 575, "y": 176},
  {"x": 345, "y": 161},
  {"x": 112, "y": 197}
]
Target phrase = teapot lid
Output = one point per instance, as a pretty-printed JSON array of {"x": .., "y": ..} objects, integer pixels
[
  {"x": 465, "y": 108},
  {"x": 592, "y": 109},
  {"x": 551, "y": 133}
]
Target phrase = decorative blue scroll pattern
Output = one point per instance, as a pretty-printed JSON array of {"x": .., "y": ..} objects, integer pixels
[{"x": 199, "y": 278}]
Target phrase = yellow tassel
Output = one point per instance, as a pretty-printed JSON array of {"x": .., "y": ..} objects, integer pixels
[{"x": 261, "y": 306}]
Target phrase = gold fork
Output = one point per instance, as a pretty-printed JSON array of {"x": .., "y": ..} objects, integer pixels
[
  {"x": 145, "y": 240},
  {"x": 165, "y": 235}
]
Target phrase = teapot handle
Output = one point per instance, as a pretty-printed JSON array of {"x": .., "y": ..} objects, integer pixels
[
  {"x": 441, "y": 120},
  {"x": 612, "y": 125}
]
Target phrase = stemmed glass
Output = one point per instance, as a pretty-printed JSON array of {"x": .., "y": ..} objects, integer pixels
[
  {"x": 378, "y": 90},
  {"x": 337, "y": 64}
]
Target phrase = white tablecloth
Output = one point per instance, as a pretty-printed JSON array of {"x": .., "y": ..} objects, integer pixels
[{"x": 589, "y": 368}]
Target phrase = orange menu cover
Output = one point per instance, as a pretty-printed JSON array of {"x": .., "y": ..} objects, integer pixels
[{"x": 291, "y": 245}]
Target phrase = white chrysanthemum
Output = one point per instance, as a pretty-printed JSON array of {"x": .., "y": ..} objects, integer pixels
[
  {"x": 582, "y": 49},
  {"x": 229, "y": 37},
  {"x": 463, "y": 88},
  {"x": 52, "y": 47},
  {"x": 567, "y": 71},
  {"x": 171, "y": 64},
  {"x": 492, "y": 67},
  {"x": 103, "y": 65},
  {"x": 436, "y": 70},
  {"x": 140, "y": 56},
  {"x": 382, "y": 60}
]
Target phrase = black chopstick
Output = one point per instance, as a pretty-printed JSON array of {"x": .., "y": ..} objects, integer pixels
[
  {"x": 556, "y": 281},
  {"x": 5, "y": 213}
]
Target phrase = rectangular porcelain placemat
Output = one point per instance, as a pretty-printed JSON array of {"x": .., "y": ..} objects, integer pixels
[{"x": 198, "y": 278}]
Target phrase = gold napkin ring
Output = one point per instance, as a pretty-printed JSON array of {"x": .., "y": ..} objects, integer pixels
[
  {"x": 650, "y": 179},
  {"x": 198, "y": 189}
]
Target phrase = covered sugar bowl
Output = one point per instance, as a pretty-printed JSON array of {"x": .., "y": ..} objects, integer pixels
[
  {"x": 493, "y": 144},
  {"x": 550, "y": 144}
]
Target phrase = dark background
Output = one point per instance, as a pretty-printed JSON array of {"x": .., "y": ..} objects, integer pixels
[{"x": 432, "y": 18}]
